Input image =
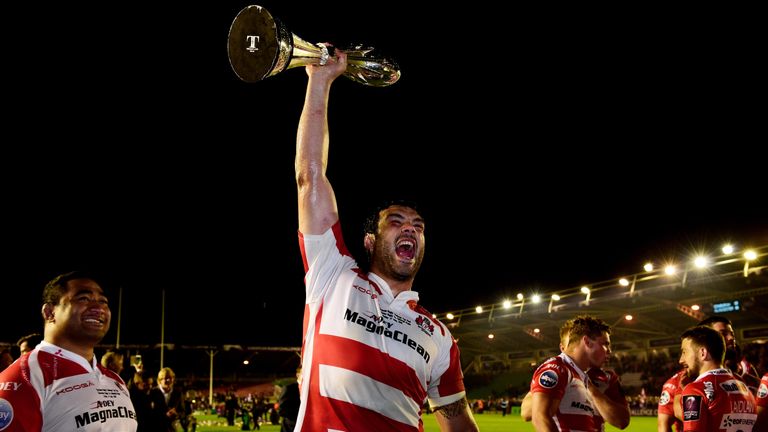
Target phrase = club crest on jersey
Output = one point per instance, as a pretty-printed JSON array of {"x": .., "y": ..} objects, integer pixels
[
  {"x": 548, "y": 379},
  {"x": 425, "y": 325},
  {"x": 664, "y": 399},
  {"x": 691, "y": 408},
  {"x": 762, "y": 391}
]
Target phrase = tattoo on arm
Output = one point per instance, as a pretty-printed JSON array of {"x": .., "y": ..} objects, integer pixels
[{"x": 453, "y": 410}]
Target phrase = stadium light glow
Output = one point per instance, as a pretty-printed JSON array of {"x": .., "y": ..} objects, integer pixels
[
  {"x": 490, "y": 336},
  {"x": 749, "y": 255},
  {"x": 628, "y": 317},
  {"x": 552, "y": 299},
  {"x": 637, "y": 281},
  {"x": 588, "y": 292}
]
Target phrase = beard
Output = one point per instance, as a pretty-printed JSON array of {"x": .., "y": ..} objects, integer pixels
[{"x": 389, "y": 263}]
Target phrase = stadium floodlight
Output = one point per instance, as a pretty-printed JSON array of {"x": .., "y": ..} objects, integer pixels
[
  {"x": 700, "y": 261},
  {"x": 479, "y": 309},
  {"x": 648, "y": 267},
  {"x": 728, "y": 249},
  {"x": 552, "y": 299},
  {"x": 749, "y": 255},
  {"x": 449, "y": 316},
  {"x": 588, "y": 292}
]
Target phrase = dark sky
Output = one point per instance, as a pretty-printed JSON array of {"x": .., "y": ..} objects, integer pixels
[{"x": 549, "y": 148}]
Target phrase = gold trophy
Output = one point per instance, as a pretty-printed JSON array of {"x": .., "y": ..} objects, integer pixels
[{"x": 260, "y": 46}]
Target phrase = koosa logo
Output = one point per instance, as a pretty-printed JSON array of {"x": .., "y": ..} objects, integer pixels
[
  {"x": 548, "y": 379},
  {"x": 664, "y": 399}
]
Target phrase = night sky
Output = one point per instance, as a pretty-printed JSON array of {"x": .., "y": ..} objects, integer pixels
[{"x": 548, "y": 148}]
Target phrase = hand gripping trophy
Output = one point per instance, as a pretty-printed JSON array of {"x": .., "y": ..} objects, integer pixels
[{"x": 260, "y": 46}]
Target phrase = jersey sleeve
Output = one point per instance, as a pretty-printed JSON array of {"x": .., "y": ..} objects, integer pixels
[
  {"x": 449, "y": 386},
  {"x": 761, "y": 396},
  {"x": 19, "y": 402},
  {"x": 667, "y": 398},
  {"x": 551, "y": 378},
  {"x": 696, "y": 416},
  {"x": 324, "y": 257}
]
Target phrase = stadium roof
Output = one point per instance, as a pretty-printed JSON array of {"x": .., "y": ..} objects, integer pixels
[{"x": 661, "y": 306}]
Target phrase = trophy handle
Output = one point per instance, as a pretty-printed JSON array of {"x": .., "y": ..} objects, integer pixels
[{"x": 260, "y": 46}]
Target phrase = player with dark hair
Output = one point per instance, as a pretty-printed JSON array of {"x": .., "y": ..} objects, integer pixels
[
  {"x": 715, "y": 400},
  {"x": 60, "y": 385},
  {"x": 371, "y": 354}
]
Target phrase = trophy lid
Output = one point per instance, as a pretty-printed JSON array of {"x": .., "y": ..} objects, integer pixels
[{"x": 259, "y": 45}]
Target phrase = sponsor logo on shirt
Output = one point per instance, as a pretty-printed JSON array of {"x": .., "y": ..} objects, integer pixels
[
  {"x": 6, "y": 414},
  {"x": 364, "y": 290},
  {"x": 548, "y": 379},
  {"x": 101, "y": 416},
  {"x": 371, "y": 327},
  {"x": 582, "y": 406},
  {"x": 731, "y": 386},
  {"x": 691, "y": 408},
  {"x": 75, "y": 387},
  {"x": 8, "y": 386},
  {"x": 664, "y": 399},
  {"x": 731, "y": 420}
]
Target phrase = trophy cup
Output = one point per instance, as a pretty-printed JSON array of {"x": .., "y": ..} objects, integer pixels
[{"x": 260, "y": 46}]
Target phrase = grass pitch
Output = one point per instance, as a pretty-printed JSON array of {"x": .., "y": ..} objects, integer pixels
[{"x": 488, "y": 422}]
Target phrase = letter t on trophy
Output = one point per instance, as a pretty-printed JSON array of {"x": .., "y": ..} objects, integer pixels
[{"x": 260, "y": 46}]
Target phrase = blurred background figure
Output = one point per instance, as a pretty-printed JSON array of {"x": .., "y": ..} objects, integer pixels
[
  {"x": 29, "y": 342},
  {"x": 113, "y": 361},
  {"x": 6, "y": 359},
  {"x": 288, "y": 404}
]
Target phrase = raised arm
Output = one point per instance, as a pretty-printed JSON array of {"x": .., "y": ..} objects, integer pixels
[
  {"x": 614, "y": 410},
  {"x": 317, "y": 202}
]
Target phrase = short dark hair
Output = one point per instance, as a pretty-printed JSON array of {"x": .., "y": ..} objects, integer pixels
[
  {"x": 715, "y": 319},
  {"x": 371, "y": 225},
  {"x": 57, "y": 286},
  {"x": 32, "y": 340},
  {"x": 583, "y": 325},
  {"x": 708, "y": 338}
]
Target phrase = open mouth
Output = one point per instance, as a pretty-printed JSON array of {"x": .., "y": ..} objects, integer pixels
[{"x": 406, "y": 248}]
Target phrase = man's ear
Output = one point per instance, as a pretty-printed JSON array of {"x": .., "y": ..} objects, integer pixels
[
  {"x": 47, "y": 311},
  {"x": 703, "y": 353},
  {"x": 369, "y": 241}
]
